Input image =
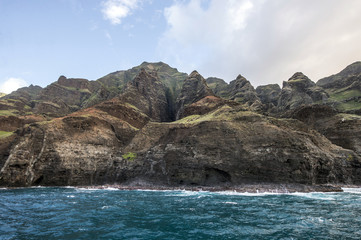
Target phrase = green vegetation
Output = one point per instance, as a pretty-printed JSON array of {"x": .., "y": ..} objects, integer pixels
[
  {"x": 349, "y": 116},
  {"x": 296, "y": 80},
  {"x": 349, "y": 158},
  {"x": 2, "y": 94},
  {"x": 130, "y": 156},
  {"x": 343, "y": 95},
  {"x": 224, "y": 113},
  {"x": 11, "y": 112},
  {"x": 52, "y": 104},
  {"x": 348, "y": 106},
  {"x": 7, "y": 103},
  {"x": 4, "y": 134},
  {"x": 83, "y": 90},
  {"x": 345, "y": 98},
  {"x": 189, "y": 119},
  {"x": 132, "y": 106}
]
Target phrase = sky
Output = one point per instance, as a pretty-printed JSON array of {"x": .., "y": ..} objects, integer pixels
[{"x": 266, "y": 41}]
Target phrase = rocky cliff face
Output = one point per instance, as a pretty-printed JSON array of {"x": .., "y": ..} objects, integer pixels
[
  {"x": 218, "y": 86},
  {"x": 131, "y": 139},
  {"x": 241, "y": 90},
  {"x": 147, "y": 93},
  {"x": 19, "y": 102},
  {"x": 342, "y": 78},
  {"x": 300, "y": 90},
  {"x": 269, "y": 94},
  {"x": 341, "y": 129},
  {"x": 64, "y": 96},
  {"x": 344, "y": 89},
  {"x": 194, "y": 89},
  {"x": 225, "y": 147}
]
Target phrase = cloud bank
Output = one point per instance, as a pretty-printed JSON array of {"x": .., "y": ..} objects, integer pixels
[
  {"x": 266, "y": 41},
  {"x": 116, "y": 10},
  {"x": 12, "y": 84}
]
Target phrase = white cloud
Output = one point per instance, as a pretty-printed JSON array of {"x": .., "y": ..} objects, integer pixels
[
  {"x": 12, "y": 84},
  {"x": 116, "y": 10},
  {"x": 264, "y": 40}
]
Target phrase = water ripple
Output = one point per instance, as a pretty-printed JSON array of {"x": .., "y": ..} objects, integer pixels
[{"x": 72, "y": 213}]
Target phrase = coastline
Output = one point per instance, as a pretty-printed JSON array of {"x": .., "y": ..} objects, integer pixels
[{"x": 244, "y": 188}]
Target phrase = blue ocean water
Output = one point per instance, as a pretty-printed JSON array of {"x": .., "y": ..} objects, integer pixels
[{"x": 71, "y": 213}]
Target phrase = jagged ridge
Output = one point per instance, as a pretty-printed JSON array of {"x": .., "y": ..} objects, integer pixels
[{"x": 215, "y": 142}]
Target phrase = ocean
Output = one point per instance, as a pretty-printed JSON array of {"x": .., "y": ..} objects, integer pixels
[{"x": 76, "y": 213}]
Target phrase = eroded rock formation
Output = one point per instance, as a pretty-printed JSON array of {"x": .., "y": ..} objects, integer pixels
[{"x": 132, "y": 138}]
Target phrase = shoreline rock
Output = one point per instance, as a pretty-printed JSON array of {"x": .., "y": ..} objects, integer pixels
[{"x": 246, "y": 188}]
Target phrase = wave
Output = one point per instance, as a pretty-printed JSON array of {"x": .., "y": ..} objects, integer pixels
[
  {"x": 352, "y": 190},
  {"x": 317, "y": 195},
  {"x": 232, "y": 203}
]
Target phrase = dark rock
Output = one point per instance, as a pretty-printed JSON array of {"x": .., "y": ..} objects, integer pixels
[
  {"x": 194, "y": 89},
  {"x": 269, "y": 93},
  {"x": 241, "y": 90},
  {"x": 218, "y": 86},
  {"x": 147, "y": 93},
  {"x": 341, "y": 129},
  {"x": 206, "y": 105},
  {"x": 226, "y": 147},
  {"x": 215, "y": 144},
  {"x": 344, "y": 89},
  {"x": 341, "y": 79},
  {"x": 300, "y": 90}
]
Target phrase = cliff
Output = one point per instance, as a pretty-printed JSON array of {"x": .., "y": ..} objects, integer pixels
[{"x": 294, "y": 137}]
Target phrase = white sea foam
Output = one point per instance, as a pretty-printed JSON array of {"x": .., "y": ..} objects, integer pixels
[
  {"x": 352, "y": 190},
  {"x": 232, "y": 203},
  {"x": 87, "y": 189},
  {"x": 155, "y": 190},
  {"x": 187, "y": 193},
  {"x": 235, "y": 193},
  {"x": 316, "y": 195},
  {"x": 111, "y": 189}
]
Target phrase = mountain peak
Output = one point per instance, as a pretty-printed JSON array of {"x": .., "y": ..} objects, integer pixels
[
  {"x": 299, "y": 81},
  {"x": 299, "y": 76},
  {"x": 240, "y": 77},
  {"x": 353, "y": 69},
  {"x": 194, "y": 74}
]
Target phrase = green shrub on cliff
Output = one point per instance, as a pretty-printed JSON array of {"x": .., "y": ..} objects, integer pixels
[
  {"x": 4, "y": 134},
  {"x": 130, "y": 156}
]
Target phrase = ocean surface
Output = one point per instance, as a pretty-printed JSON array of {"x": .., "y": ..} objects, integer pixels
[{"x": 75, "y": 213}]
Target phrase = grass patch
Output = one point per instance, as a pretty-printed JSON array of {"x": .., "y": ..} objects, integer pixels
[
  {"x": 189, "y": 119},
  {"x": 348, "y": 106},
  {"x": 7, "y": 103},
  {"x": 8, "y": 112},
  {"x": 343, "y": 95},
  {"x": 349, "y": 116},
  {"x": 52, "y": 104},
  {"x": 130, "y": 156},
  {"x": 4, "y": 134},
  {"x": 296, "y": 80},
  {"x": 224, "y": 113}
]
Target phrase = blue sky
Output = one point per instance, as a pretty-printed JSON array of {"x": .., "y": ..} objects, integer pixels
[{"x": 265, "y": 41}]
